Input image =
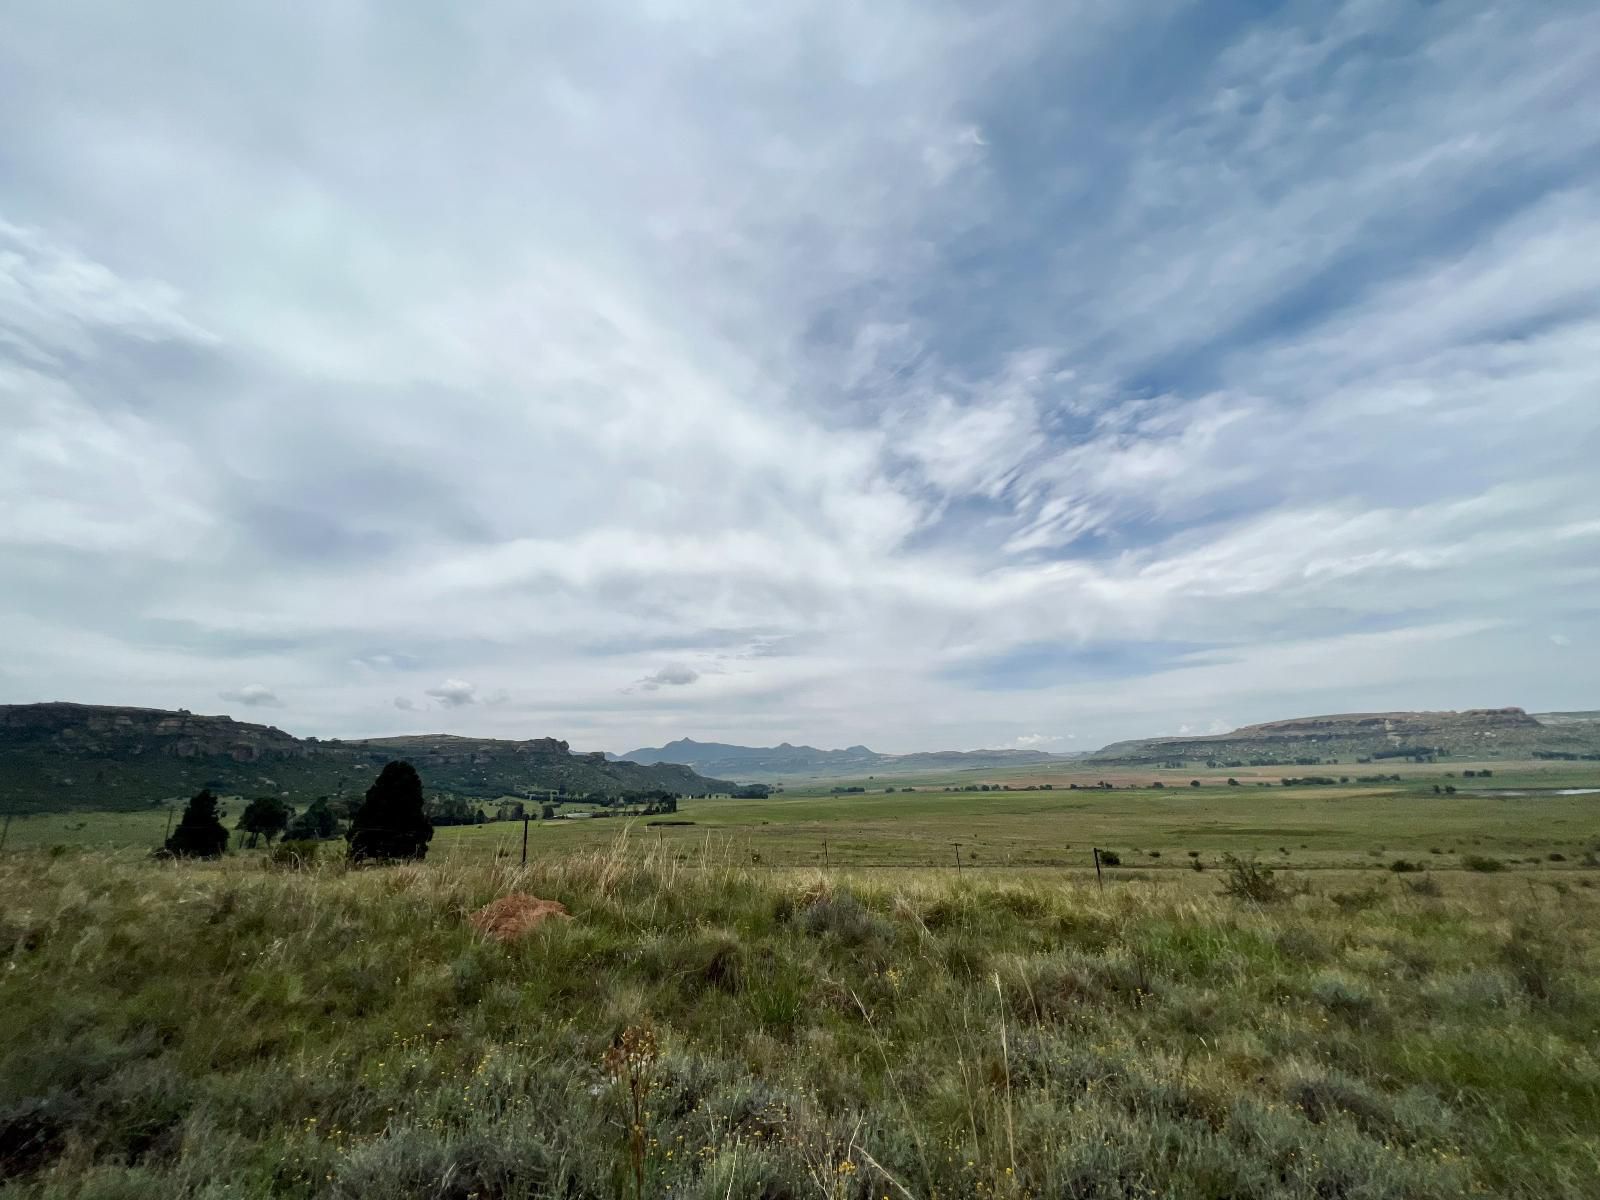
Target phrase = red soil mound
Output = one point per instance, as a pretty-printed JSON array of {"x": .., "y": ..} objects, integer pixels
[{"x": 516, "y": 915}]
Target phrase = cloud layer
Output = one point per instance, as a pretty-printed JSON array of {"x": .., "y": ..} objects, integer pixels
[{"x": 907, "y": 375}]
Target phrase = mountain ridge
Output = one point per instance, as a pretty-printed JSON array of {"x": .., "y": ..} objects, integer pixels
[
  {"x": 787, "y": 760},
  {"x": 1483, "y": 732},
  {"x": 60, "y": 755}
]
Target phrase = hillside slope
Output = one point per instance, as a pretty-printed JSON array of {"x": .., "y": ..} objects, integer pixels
[
  {"x": 784, "y": 760},
  {"x": 61, "y": 756},
  {"x": 1473, "y": 733}
]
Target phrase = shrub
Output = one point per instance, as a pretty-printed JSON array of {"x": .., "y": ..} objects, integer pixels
[
  {"x": 1425, "y": 886},
  {"x": 1404, "y": 866},
  {"x": 1482, "y": 862},
  {"x": 1110, "y": 858},
  {"x": 840, "y": 915},
  {"x": 1247, "y": 880},
  {"x": 200, "y": 834},
  {"x": 1357, "y": 901},
  {"x": 293, "y": 853},
  {"x": 1555, "y": 856}
]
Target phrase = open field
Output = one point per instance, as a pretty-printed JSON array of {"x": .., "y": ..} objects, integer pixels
[
  {"x": 210, "y": 1030},
  {"x": 1156, "y": 829}
]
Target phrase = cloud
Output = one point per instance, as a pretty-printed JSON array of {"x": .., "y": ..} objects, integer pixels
[
  {"x": 453, "y": 693},
  {"x": 671, "y": 675},
  {"x": 405, "y": 704},
  {"x": 1034, "y": 741},
  {"x": 256, "y": 695},
  {"x": 911, "y": 373}
]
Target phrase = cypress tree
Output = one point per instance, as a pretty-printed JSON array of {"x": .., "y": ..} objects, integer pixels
[
  {"x": 200, "y": 834},
  {"x": 391, "y": 823}
]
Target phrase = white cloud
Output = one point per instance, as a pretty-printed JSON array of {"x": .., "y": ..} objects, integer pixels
[
  {"x": 671, "y": 675},
  {"x": 257, "y": 695},
  {"x": 836, "y": 347},
  {"x": 453, "y": 693}
]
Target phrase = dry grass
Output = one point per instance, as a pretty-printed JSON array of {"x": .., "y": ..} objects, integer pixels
[{"x": 201, "y": 1030}]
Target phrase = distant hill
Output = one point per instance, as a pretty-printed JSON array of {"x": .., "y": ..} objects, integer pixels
[
  {"x": 1475, "y": 733},
  {"x": 770, "y": 762},
  {"x": 61, "y": 756}
]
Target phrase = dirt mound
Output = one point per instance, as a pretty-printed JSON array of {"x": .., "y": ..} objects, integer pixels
[{"x": 516, "y": 915}]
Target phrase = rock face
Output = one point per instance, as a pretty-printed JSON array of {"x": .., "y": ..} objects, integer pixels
[
  {"x": 1475, "y": 732},
  {"x": 55, "y": 756},
  {"x": 88, "y": 729}
]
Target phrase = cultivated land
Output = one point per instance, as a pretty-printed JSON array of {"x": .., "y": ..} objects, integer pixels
[{"x": 881, "y": 1027}]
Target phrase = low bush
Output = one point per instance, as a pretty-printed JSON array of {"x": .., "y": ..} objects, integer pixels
[
  {"x": 1248, "y": 880},
  {"x": 1482, "y": 862},
  {"x": 293, "y": 854}
]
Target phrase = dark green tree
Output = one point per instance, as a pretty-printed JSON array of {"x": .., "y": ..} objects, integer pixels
[
  {"x": 265, "y": 815},
  {"x": 317, "y": 823},
  {"x": 391, "y": 822},
  {"x": 199, "y": 833}
]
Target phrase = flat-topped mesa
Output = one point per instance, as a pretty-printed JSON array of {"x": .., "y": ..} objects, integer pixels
[
  {"x": 1475, "y": 732},
  {"x": 1388, "y": 721}
]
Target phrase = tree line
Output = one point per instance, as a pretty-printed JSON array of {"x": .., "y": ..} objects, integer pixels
[{"x": 392, "y": 821}]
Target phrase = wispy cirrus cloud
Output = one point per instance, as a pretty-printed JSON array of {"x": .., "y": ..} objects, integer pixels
[{"x": 903, "y": 374}]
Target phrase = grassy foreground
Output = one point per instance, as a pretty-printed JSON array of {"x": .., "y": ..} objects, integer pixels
[{"x": 175, "y": 1030}]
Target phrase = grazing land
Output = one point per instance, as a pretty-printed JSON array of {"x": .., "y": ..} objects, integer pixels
[
  {"x": 802, "y": 996},
  {"x": 225, "y": 1029},
  {"x": 1314, "y": 826}
]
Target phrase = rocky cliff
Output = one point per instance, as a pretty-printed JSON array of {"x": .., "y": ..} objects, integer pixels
[{"x": 1474, "y": 733}]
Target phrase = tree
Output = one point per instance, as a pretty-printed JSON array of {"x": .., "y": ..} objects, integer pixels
[
  {"x": 391, "y": 822},
  {"x": 265, "y": 815},
  {"x": 547, "y": 812},
  {"x": 317, "y": 823},
  {"x": 199, "y": 833}
]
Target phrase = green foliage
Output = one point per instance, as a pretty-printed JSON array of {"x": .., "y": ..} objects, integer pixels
[
  {"x": 267, "y": 815},
  {"x": 1482, "y": 863},
  {"x": 1248, "y": 880},
  {"x": 1110, "y": 858},
  {"x": 200, "y": 833},
  {"x": 391, "y": 823},
  {"x": 317, "y": 823},
  {"x": 294, "y": 854}
]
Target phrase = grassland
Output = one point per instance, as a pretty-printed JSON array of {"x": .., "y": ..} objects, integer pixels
[
  {"x": 214, "y": 1030},
  {"x": 881, "y": 1027},
  {"x": 1315, "y": 827}
]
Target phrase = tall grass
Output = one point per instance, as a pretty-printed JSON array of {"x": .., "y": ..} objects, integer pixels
[{"x": 221, "y": 1029}]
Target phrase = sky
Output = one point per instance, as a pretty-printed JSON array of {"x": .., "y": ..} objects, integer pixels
[{"x": 923, "y": 374}]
